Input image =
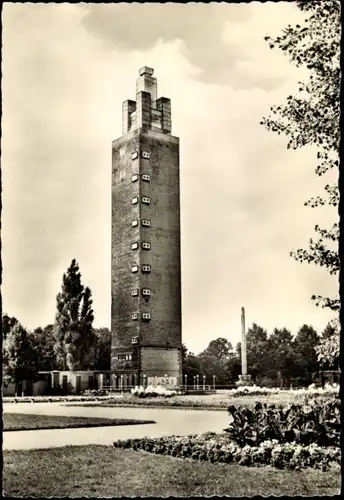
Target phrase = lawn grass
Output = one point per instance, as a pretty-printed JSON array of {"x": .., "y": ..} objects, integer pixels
[
  {"x": 211, "y": 402},
  {"x": 101, "y": 471},
  {"x": 25, "y": 422}
]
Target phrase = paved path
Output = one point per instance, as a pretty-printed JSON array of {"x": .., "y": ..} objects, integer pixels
[{"x": 168, "y": 421}]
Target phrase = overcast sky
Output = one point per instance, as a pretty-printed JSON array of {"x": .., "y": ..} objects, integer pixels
[{"x": 66, "y": 70}]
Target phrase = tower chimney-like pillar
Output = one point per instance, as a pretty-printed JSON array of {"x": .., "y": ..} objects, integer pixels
[
  {"x": 143, "y": 109},
  {"x": 146, "y": 82},
  {"x": 128, "y": 112}
]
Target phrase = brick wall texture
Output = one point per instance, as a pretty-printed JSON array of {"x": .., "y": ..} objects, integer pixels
[{"x": 159, "y": 339}]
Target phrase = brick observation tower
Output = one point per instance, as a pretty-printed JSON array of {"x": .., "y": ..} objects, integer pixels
[{"x": 145, "y": 261}]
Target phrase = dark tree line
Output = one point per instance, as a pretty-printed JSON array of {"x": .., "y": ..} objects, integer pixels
[{"x": 278, "y": 359}]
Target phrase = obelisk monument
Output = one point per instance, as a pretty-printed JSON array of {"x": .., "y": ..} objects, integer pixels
[{"x": 244, "y": 378}]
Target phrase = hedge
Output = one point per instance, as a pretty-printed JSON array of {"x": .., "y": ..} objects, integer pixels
[{"x": 219, "y": 448}]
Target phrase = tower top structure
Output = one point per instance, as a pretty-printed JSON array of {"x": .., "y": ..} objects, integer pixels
[
  {"x": 145, "y": 70},
  {"x": 147, "y": 111}
]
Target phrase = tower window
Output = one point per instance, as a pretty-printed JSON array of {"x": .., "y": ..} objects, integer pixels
[
  {"x": 145, "y": 200},
  {"x": 146, "y": 316},
  {"x": 146, "y": 268},
  {"x": 134, "y": 340},
  {"x": 145, "y": 154},
  {"x": 134, "y": 246},
  {"x": 135, "y": 292},
  {"x": 134, "y": 200},
  {"x": 146, "y": 291},
  {"x": 134, "y": 316},
  {"x": 134, "y": 269},
  {"x": 134, "y": 177},
  {"x": 124, "y": 357},
  {"x": 134, "y": 155},
  {"x": 145, "y": 177},
  {"x": 146, "y": 222},
  {"x": 146, "y": 246},
  {"x": 134, "y": 223}
]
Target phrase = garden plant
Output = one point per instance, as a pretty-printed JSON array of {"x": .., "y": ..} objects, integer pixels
[{"x": 294, "y": 436}]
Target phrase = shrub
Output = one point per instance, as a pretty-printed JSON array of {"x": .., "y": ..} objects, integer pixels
[
  {"x": 268, "y": 382},
  {"x": 316, "y": 422},
  {"x": 220, "y": 448}
]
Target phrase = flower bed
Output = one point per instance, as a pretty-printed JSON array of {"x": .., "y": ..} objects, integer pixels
[
  {"x": 315, "y": 392},
  {"x": 220, "y": 448},
  {"x": 311, "y": 391},
  {"x": 52, "y": 399},
  {"x": 292, "y": 436},
  {"x": 252, "y": 390},
  {"x": 152, "y": 392}
]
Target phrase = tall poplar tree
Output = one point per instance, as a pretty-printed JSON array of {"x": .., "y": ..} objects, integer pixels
[{"x": 74, "y": 336}]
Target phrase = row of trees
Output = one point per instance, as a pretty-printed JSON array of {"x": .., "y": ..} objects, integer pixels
[
  {"x": 71, "y": 343},
  {"x": 279, "y": 358}
]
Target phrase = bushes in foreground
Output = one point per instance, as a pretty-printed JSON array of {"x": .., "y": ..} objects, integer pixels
[
  {"x": 220, "y": 448},
  {"x": 317, "y": 422},
  {"x": 293, "y": 436}
]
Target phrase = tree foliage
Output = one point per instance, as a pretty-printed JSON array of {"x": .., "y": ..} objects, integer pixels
[
  {"x": 102, "y": 356},
  {"x": 219, "y": 348},
  {"x": 19, "y": 356},
  {"x": 257, "y": 348},
  {"x": 280, "y": 354},
  {"x": 305, "y": 356},
  {"x": 233, "y": 365},
  {"x": 191, "y": 364},
  {"x": 43, "y": 341},
  {"x": 278, "y": 358},
  {"x": 311, "y": 117},
  {"x": 328, "y": 349},
  {"x": 214, "y": 359},
  {"x": 74, "y": 336},
  {"x": 7, "y": 324}
]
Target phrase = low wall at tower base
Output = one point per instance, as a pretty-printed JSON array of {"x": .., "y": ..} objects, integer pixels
[{"x": 161, "y": 366}]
